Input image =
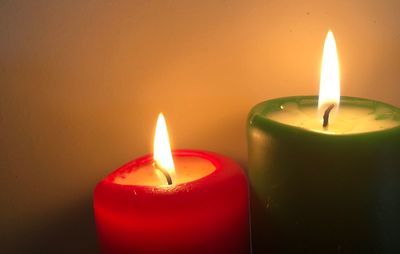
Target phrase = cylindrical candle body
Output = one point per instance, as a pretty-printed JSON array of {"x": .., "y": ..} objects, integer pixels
[
  {"x": 207, "y": 215},
  {"x": 313, "y": 192}
]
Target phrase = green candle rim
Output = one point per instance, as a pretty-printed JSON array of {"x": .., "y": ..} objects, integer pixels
[{"x": 258, "y": 114}]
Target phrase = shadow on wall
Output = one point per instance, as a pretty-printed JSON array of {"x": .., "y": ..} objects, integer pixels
[{"x": 68, "y": 231}]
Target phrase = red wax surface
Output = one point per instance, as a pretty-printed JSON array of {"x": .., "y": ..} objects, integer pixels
[{"x": 207, "y": 215}]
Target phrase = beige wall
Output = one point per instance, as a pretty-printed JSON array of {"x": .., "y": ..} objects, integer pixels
[{"x": 81, "y": 83}]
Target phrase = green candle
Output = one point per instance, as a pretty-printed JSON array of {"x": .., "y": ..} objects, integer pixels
[
  {"x": 332, "y": 189},
  {"x": 324, "y": 191}
]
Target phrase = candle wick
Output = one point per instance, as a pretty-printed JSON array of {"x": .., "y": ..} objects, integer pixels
[
  {"x": 164, "y": 172},
  {"x": 326, "y": 116}
]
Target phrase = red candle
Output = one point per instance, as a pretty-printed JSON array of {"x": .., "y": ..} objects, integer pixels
[{"x": 201, "y": 207}]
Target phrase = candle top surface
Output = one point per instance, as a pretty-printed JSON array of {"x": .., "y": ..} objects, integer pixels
[
  {"x": 187, "y": 169},
  {"x": 353, "y": 116}
]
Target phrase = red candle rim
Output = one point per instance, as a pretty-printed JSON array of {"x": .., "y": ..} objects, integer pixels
[{"x": 217, "y": 160}]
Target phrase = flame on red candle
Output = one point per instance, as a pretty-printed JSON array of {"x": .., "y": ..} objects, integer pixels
[
  {"x": 162, "y": 149},
  {"x": 329, "y": 90}
]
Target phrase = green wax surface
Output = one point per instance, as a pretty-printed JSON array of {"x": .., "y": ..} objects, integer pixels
[
  {"x": 351, "y": 117},
  {"x": 322, "y": 192}
]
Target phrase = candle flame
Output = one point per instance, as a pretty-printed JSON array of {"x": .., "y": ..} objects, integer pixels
[
  {"x": 329, "y": 89},
  {"x": 162, "y": 149}
]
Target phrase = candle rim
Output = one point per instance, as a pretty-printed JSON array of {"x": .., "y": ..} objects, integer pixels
[
  {"x": 345, "y": 100},
  {"x": 216, "y": 159}
]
